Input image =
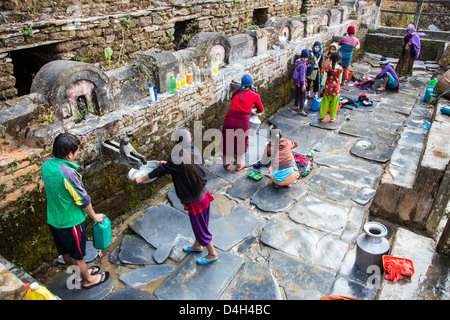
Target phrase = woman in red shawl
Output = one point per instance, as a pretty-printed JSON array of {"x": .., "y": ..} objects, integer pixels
[{"x": 235, "y": 127}]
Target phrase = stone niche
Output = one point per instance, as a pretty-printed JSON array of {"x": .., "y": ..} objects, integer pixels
[
  {"x": 289, "y": 28},
  {"x": 214, "y": 46},
  {"x": 74, "y": 89},
  {"x": 159, "y": 65}
]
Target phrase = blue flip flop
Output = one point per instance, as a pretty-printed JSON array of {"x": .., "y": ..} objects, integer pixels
[
  {"x": 203, "y": 260},
  {"x": 188, "y": 249}
]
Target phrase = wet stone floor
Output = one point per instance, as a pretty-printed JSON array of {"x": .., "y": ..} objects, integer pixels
[{"x": 279, "y": 243}]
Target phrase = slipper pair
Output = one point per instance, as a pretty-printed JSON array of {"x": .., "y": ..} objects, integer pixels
[{"x": 104, "y": 277}]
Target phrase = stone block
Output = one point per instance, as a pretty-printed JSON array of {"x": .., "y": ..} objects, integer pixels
[{"x": 11, "y": 288}]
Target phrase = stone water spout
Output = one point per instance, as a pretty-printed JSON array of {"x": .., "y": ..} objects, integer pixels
[
  {"x": 128, "y": 155},
  {"x": 123, "y": 153}
]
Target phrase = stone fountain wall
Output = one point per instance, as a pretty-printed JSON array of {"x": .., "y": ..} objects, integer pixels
[{"x": 30, "y": 123}]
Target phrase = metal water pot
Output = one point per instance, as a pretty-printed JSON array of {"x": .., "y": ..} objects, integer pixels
[
  {"x": 254, "y": 122},
  {"x": 371, "y": 246}
]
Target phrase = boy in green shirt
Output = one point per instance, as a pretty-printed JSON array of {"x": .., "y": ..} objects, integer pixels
[{"x": 68, "y": 205}]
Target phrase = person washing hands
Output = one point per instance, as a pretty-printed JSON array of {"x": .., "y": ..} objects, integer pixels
[{"x": 189, "y": 180}]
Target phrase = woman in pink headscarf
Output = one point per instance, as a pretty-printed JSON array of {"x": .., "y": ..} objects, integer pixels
[{"x": 411, "y": 51}]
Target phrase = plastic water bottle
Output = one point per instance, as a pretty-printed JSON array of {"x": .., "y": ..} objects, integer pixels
[
  {"x": 189, "y": 75},
  {"x": 101, "y": 232},
  {"x": 183, "y": 79},
  {"x": 38, "y": 292},
  {"x": 172, "y": 84},
  {"x": 215, "y": 67},
  {"x": 152, "y": 92},
  {"x": 178, "y": 81},
  {"x": 156, "y": 95}
]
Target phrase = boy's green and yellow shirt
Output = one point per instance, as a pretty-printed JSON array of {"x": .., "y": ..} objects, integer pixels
[{"x": 66, "y": 196}]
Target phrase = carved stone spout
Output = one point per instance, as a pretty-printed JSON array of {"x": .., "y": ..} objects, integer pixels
[{"x": 129, "y": 156}]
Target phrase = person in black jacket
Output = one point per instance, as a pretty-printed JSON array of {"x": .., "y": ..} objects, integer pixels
[{"x": 188, "y": 175}]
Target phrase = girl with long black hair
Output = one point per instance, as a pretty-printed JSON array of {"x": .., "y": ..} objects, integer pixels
[{"x": 186, "y": 168}]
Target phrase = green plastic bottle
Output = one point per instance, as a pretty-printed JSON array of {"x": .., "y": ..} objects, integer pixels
[
  {"x": 172, "y": 84},
  {"x": 101, "y": 232}
]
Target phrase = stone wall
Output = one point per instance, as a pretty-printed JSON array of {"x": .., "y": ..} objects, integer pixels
[
  {"x": 29, "y": 124},
  {"x": 81, "y": 30},
  {"x": 392, "y": 45}
]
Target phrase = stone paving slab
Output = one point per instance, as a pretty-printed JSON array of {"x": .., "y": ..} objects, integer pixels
[
  {"x": 313, "y": 246},
  {"x": 324, "y": 215},
  {"x": 230, "y": 176},
  {"x": 422, "y": 255},
  {"x": 364, "y": 196},
  {"x": 347, "y": 162},
  {"x": 146, "y": 275},
  {"x": 354, "y": 222},
  {"x": 164, "y": 224},
  {"x": 191, "y": 281},
  {"x": 245, "y": 187},
  {"x": 327, "y": 124},
  {"x": 135, "y": 250},
  {"x": 300, "y": 280},
  {"x": 214, "y": 183},
  {"x": 349, "y": 288},
  {"x": 372, "y": 150},
  {"x": 59, "y": 286},
  {"x": 272, "y": 199},
  {"x": 233, "y": 228},
  {"x": 130, "y": 294},
  {"x": 349, "y": 177},
  {"x": 328, "y": 186},
  {"x": 370, "y": 129},
  {"x": 285, "y": 124},
  {"x": 332, "y": 143},
  {"x": 257, "y": 283},
  {"x": 307, "y": 138}
]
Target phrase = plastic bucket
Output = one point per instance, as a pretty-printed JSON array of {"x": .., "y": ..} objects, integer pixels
[{"x": 315, "y": 106}]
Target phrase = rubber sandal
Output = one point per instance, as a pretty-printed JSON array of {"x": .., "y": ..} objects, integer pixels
[
  {"x": 227, "y": 167},
  {"x": 241, "y": 167},
  {"x": 93, "y": 272},
  {"x": 203, "y": 260},
  {"x": 188, "y": 249},
  {"x": 103, "y": 279}
]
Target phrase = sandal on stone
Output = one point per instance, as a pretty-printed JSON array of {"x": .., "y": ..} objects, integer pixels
[
  {"x": 188, "y": 249},
  {"x": 104, "y": 277},
  {"x": 242, "y": 166},
  {"x": 94, "y": 270},
  {"x": 227, "y": 167},
  {"x": 203, "y": 260}
]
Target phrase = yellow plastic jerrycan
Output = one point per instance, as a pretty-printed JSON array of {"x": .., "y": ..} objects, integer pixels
[
  {"x": 38, "y": 292},
  {"x": 101, "y": 232}
]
